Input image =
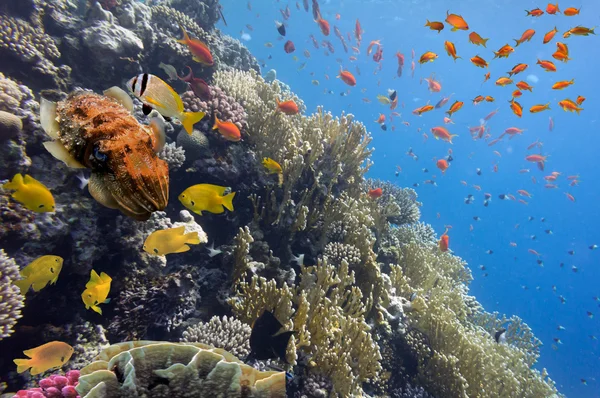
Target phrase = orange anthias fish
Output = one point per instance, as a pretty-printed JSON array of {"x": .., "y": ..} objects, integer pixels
[
  {"x": 486, "y": 77},
  {"x": 547, "y": 65},
  {"x": 428, "y": 57},
  {"x": 526, "y": 36},
  {"x": 516, "y": 108},
  {"x": 580, "y": 99},
  {"x": 536, "y": 12},
  {"x": 503, "y": 52},
  {"x": 423, "y": 109},
  {"x": 550, "y": 35},
  {"x": 517, "y": 69},
  {"x": 571, "y": 11},
  {"x": 380, "y": 119},
  {"x": 451, "y": 49},
  {"x": 562, "y": 47},
  {"x": 562, "y": 84},
  {"x": 489, "y": 98},
  {"x": 456, "y": 21},
  {"x": 561, "y": 56},
  {"x": 198, "y": 49},
  {"x": 324, "y": 26},
  {"x": 443, "y": 134},
  {"x": 480, "y": 62},
  {"x": 455, "y": 108},
  {"x": 536, "y": 158},
  {"x": 347, "y": 77},
  {"x": 539, "y": 108},
  {"x": 478, "y": 99},
  {"x": 522, "y": 85},
  {"x": 569, "y": 106},
  {"x": 579, "y": 31},
  {"x": 476, "y": 39},
  {"x": 444, "y": 242},
  {"x": 375, "y": 193},
  {"x": 552, "y": 8},
  {"x": 439, "y": 26},
  {"x": 503, "y": 81},
  {"x": 288, "y": 107},
  {"x": 229, "y": 130},
  {"x": 443, "y": 165}
]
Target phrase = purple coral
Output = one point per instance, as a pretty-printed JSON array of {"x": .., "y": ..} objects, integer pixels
[
  {"x": 224, "y": 106},
  {"x": 55, "y": 386}
]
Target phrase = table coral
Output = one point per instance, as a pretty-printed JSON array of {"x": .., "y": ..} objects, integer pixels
[{"x": 11, "y": 300}]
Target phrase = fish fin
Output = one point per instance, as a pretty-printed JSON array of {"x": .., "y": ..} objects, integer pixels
[
  {"x": 279, "y": 344},
  {"x": 96, "y": 309},
  {"x": 121, "y": 96},
  {"x": 23, "y": 285},
  {"x": 16, "y": 183},
  {"x": 22, "y": 364},
  {"x": 146, "y": 109},
  {"x": 106, "y": 301},
  {"x": 158, "y": 129},
  {"x": 186, "y": 37},
  {"x": 216, "y": 125},
  {"x": 219, "y": 190},
  {"x": 192, "y": 238},
  {"x": 105, "y": 278},
  {"x": 48, "y": 118},
  {"x": 454, "y": 29},
  {"x": 94, "y": 280},
  {"x": 178, "y": 231},
  {"x": 37, "y": 286},
  {"x": 228, "y": 201},
  {"x": 154, "y": 102},
  {"x": 100, "y": 193},
  {"x": 216, "y": 209},
  {"x": 59, "y": 152},
  {"x": 182, "y": 249},
  {"x": 188, "y": 119}
]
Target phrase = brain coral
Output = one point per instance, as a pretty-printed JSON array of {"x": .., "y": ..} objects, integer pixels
[{"x": 161, "y": 369}]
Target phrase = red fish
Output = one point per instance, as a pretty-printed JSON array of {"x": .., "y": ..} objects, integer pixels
[
  {"x": 198, "y": 86},
  {"x": 358, "y": 32},
  {"x": 324, "y": 26},
  {"x": 444, "y": 242},
  {"x": 347, "y": 77},
  {"x": 198, "y": 49},
  {"x": 375, "y": 193},
  {"x": 229, "y": 130},
  {"x": 443, "y": 165},
  {"x": 288, "y": 107},
  {"x": 289, "y": 47}
]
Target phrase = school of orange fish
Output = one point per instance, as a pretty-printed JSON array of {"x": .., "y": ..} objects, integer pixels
[{"x": 351, "y": 43}]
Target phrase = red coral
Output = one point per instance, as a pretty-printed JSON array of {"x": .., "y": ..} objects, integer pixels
[{"x": 55, "y": 386}]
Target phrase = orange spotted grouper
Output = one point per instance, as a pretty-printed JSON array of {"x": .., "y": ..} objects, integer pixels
[{"x": 99, "y": 132}]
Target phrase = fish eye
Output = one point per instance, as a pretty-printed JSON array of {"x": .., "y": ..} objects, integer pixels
[
  {"x": 56, "y": 259},
  {"x": 155, "y": 250},
  {"x": 183, "y": 196}
]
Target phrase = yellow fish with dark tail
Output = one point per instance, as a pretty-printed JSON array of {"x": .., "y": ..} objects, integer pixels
[
  {"x": 168, "y": 241},
  {"x": 157, "y": 94},
  {"x": 47, "y": 356},
  {"x": 31, "y": 193},
  {"x": 96, "y": 291},
  {"x": 207, "y": 197},
  {"x": 39, "y": 273}
]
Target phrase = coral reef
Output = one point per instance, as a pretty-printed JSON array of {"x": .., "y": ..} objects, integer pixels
[
  {"x": 55, "y": 386},
  {"x": 11, "y": 299},
  {"x": 174, "y": 155},
  {"x": 220, "y": 104},
  {"x": 229, "y": 334},
  {"x": 159, "y": 369}
]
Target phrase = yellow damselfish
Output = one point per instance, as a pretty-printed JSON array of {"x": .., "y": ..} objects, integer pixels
[
  {"x": 207, "y": 197},
  {"x": 39, "y": 273},
  {"x": 47, "y": 356},
  {"x": 172, "y": 240},
  {"x": 31, "y": 193},
  {"x": 273, "y": 168},
  {"x": 96, "y": 291}
]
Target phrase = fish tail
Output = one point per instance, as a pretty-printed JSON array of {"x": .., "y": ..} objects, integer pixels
[
  {"x": 188, "y": 119},
  {"x": 216, "y": 125},
  {"x": 192, "y": 238},
  {"x": 228, "y": 201},
  {"x": 22, "y": 364},
  {"x": 23, "y": 285},
  {"x": 484, "y": 42},
  {"x": 185, "y": 38},
  {"x": 97, "y": 309},
  {"x": 427, "y": 23},
  {"x": 16, "y": 183},
  {"x": 451, "y": 137}
]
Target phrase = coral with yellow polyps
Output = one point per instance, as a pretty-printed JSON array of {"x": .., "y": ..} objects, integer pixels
[
  {"x": 163, "y": 369},
  {"x": 100, "y": 133}
]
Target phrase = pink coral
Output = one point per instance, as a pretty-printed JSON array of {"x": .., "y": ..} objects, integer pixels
[
  {"x": 55, "y": 386},
  {"x": 224, "y": 106}
]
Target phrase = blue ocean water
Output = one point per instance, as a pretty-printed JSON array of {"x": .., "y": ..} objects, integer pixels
[{"x": 513, "y": 282}]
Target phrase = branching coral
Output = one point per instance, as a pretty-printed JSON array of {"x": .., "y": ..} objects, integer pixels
[
  {"x": 398, "y": 205},
  {"x": 174, "y": 156},
  {"x": 11, "y": 300},
  {"x": 229, "y": 334},
  {"x": 222, "y": 105}
]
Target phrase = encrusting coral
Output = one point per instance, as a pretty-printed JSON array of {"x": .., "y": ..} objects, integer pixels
[
  {"x": 225, "y": 332},
  {"x": 11, "y": 299},
  {"x": 161, "y": 369}
]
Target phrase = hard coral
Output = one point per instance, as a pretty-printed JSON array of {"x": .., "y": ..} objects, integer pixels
[
  {"x": 55, "y": 386},
  {"x": 229, "y": 334},
  {"x": 222, "y": 105},
  {"x": 11, "y": 299},
  {"x": 161, "y": 369}
]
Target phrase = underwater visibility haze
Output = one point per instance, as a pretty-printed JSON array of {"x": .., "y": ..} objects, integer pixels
[{"x": 310, "y": 198}]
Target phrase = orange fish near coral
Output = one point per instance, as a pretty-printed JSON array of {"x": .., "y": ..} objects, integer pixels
[
  {"x": 375, "y": 193},
  {"x": 198, "y": 49},
  {"x": 457, "y": 22},
  {"x": 229, "y": 130},
  {"x": 288, "y": 107},
  {"x": 347, "y": 77},
  {"x": 444, "y": 242},
  {"x": 476, "y": 39},
  {"x": 126, "y": 173}
]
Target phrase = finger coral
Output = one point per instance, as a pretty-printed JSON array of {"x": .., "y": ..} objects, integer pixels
[
  {"x": 161, "y": 369},
  {"x": 11, "y": 299},
  {"x": 222, "y": 105},
  {"x": 225, "y": 332}
]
